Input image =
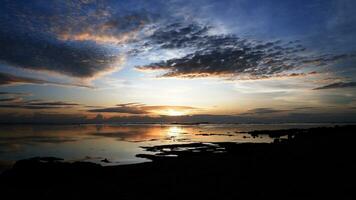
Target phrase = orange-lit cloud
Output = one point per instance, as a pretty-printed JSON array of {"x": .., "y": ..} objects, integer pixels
[
  {"x": 124, "y": 38},
  {"x": 110, "y": 28}
]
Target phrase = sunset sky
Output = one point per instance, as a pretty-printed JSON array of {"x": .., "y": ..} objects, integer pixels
[{"x": 201, "y": 60}]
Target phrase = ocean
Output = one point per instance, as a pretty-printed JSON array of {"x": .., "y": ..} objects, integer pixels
[{"x": 115, "y": 144}]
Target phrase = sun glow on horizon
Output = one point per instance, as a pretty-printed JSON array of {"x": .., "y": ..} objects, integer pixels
[{"x": 172, "y": 112}]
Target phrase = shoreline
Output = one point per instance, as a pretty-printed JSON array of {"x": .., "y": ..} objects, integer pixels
[{"x": 300, "y": 163}]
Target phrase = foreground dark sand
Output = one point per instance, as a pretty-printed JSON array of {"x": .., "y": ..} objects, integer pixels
[{"x": 316, "y": 163}]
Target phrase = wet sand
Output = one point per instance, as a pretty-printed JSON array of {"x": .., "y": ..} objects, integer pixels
[{"x": 301, "y": 163}]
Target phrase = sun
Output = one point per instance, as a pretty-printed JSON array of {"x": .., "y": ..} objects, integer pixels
[{"x": 172, "y": 112}]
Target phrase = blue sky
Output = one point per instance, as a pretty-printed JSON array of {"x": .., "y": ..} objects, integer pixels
[{"x": 260, "y": 59}]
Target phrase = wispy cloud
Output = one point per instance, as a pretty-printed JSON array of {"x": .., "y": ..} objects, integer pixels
[
  {"x": 123, "y": 108},
  {"x": 274, "y": 111},
  {"x": 14, "y": 94},
  {"x": 12, "y": 99},
  {"x": 337, "y": 85},
  {"x": 263, "y": 111},
  {"x": 19, "y": 103},
  {"x": 9, "y": 79}
]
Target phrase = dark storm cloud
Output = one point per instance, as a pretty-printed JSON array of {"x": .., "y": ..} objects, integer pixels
[
  {"x": 9, "y": 79},
  {"x": 337, "y": 85},
  {"x": 229, "y": 55}
]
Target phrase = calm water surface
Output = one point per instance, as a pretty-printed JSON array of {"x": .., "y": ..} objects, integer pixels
[{"x": 117, "y": 143}]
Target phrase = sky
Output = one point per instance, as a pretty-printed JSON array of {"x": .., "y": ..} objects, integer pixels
[{"x": 174, "y": 60}]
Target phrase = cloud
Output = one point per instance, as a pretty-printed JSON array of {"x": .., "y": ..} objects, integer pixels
[
  {"x": 29, "y": 40},
  {"x": 14, "y": 93},
  {"x": 121, "y": 109},
  {"x": 169, "y": 107},
  {"x": 78, "y": 41},
  {"x": 230, "y": 56},
  {"x": 9, "y": 79},
  {"x": 139, "y": 109},
  {"x": 337, "y": 85},
  {"x": 340, "y": 115},
  {"x": 180, "y": 35},
  {"x": 73, "y": 59},
  {"x": 272, "y": 111},
  {"x": 110, "y": 28},
  {"x": 12, "y": 99},
  {"x": 36, "y": 104},
  {"x": 51, "y": 103},
  {"x": 263, "y": 111}
]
